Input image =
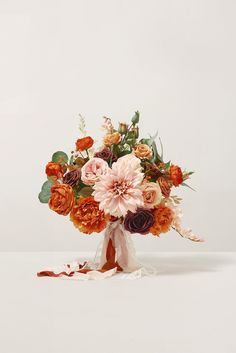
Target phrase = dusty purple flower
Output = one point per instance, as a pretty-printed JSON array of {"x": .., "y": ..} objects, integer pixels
[
  {"x": 105, "y": 154},
  {"x": 71, "y": 178},
  {"x": 140, "y": 221}
]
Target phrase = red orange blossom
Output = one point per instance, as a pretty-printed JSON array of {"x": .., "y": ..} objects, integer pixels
[
  {"x": 54, "y": 170},
  {"x": 84, "y": 143},
  {"x": 87, "y": 217},
  {"x": 176, "y": 175}
]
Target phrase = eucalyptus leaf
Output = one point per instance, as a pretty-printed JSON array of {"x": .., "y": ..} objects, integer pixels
[
  {"x": 60, "y": 157},
  {"x": 50, "y": 179},
  {"x": 44, "y": 197},
  {"x": 46, "y": 187},
  {"x": 45, "y": 192}
]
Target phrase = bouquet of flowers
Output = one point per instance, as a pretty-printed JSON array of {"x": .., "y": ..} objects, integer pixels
[{"x": 124, "y": 186}]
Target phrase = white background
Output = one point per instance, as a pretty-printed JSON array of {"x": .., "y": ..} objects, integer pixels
[{"x": 174, "y": 61}]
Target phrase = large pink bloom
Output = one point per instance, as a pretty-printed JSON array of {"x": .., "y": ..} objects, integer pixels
[{"x": 119, "y": 191}]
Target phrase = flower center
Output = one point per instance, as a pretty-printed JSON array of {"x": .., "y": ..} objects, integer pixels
[{"x": 120, "y": 187}]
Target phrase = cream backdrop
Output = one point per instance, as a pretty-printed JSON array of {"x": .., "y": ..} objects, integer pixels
[{"x": 174, "y": 61}]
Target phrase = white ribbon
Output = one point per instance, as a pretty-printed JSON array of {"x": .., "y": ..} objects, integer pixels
[
  {"x": 125, "y": 256},
  {"x": 122, "y": 242}
]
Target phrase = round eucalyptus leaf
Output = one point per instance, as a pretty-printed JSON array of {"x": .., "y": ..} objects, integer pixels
[
  {"x": 45, "y": 192},
  {"x": 44, "y": 197},
  {"x": 46, "y": 187},
  {"x": 60, "y": 157}
]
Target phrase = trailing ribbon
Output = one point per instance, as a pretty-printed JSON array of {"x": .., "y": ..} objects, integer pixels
[{"x": 117, "y": 255}]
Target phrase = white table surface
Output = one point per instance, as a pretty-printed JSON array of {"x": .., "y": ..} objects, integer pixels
[{"x": 189, "y": 307}]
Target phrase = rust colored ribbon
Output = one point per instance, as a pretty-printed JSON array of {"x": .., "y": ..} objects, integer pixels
[
  {"x": 110, "y": 256},
  {"x": 63, "y": 273},
  {"x": 109, "y": 265}
]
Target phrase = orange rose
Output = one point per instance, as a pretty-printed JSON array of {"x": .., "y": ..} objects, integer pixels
[
  {"x": 87, "y": 217},
  {"x": 176, "y": 175},
  {"x": 62, "y": 199},
  {"x": 165, "y": 186},
  {"x": 163, "y": 217},
  {"x": 84, "y": 143},
  {"x": 143, "y": 151},
  {"x": 55, "y": 170},
  {"x": 112, "y": 139}
]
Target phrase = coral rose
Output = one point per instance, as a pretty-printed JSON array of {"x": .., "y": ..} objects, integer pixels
[
  {"x": 112, "y": 139},
  {"x": 54, "y": 170},
  {"x": 143, "y": 151},
  {"x": 84, "y": 143},
  {"x": 165, "y": 186},
  {"x": 62, "y": 199},
  {"x": 87, "y": 217},
  {"x": 92, "y": 170},
  {"x": 151, "y": 194},
  {"x": 163, "y": 217},
  {"x": 176, "y": 175}
]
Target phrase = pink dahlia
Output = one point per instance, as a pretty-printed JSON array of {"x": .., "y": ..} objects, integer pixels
[{"x": 119, "y": 191}]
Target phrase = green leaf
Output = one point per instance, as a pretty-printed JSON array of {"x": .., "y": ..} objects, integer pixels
[
  {"x": 145, "y": 142},
  {"x": 161, "y": 148},
  {"x": 44, "y": 198},
  {"x": 86, "y": 191},
  {"x": 116, "y": 148},
  {"x": 167, "y": 165},
  {"x": 135, "y": 118},
  {"x": 152, "y": 144},
  {"x": 60, "y": 157},
  {"x": 50, "y": 179},
  {"x": 124, "y": 153},
  {"x": 184, "y": 184},
  {"x": 189, "y": 173},
  {"x": 149, "y": 141},
  {"x": 47, "y": 186},
  {"x": 156, "y": 156},
  {"x": 130, "y": 141},
  {"x": 45, "y": 192},
  {"x": 71, "y": 160}
]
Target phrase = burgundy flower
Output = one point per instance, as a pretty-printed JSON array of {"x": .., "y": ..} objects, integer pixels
[
  {"x": 105, "y": 154},
  {"x": 71, "y": 178},
  {"x": 139, "y": 222}
]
